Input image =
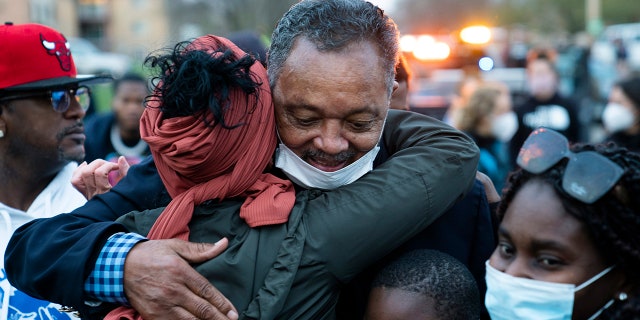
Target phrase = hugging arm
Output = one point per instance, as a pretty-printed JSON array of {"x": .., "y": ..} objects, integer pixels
[
  {"x": 431, "y": 167},
  {"x": 51, "y": 258}
]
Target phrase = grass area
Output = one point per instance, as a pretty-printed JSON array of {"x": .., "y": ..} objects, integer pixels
[{"x": 101, "y": 95}]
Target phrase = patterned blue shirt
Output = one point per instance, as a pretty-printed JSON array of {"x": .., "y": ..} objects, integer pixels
[{"x": 105, "y": 283}]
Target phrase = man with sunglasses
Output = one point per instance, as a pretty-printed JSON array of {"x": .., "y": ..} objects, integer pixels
[{"x": 42, "y": 104}]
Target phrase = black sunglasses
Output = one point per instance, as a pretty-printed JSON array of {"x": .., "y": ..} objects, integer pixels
[
  {"x": 60, "y": 99},
  {"x": 588, "y": 175}
]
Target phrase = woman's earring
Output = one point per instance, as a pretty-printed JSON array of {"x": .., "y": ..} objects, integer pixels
[
  {"x": 1, "y": 133},
  {"x": 622, "y": 296}
]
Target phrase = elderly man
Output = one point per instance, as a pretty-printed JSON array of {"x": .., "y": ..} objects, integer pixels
[
  {"x": 331, "y": 69},
  {"x": 42, "y": 103}
]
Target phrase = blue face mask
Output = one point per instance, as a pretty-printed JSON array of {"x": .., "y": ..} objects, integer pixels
[{"x": 511, "y": 297}]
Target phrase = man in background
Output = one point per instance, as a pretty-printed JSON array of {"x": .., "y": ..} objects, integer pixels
[
  {"x": 117, "y": 133},
  {"x": 545, "y": 106},
  {"x": 42, "y": 104}
]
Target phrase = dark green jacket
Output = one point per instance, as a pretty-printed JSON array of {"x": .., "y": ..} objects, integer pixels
[{"x": 295, "y": 270}]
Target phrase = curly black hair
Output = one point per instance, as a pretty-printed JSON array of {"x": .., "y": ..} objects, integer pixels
[
  {"x": 190, "y": 81},
  {"x": 437, "y": 275},
  {"x": 613, "y": 221}
]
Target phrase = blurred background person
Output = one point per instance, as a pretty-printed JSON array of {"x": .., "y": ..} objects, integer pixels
[
  {"x": 622, "y": 56},
  {"x": 400, "y": 97},
  {"x": 544, "y": 106},
  {"x": 620, "y": 116},
  {"x": 489, "y": 119},
  {"x": 424, "y": 285},
  {"x": 569, "y": 234},
  {"x": 117, "y": 133},
  {"x": 463, "y": 92}
]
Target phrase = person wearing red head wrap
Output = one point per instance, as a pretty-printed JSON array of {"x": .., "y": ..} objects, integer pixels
[
  {"x": 211, "y": 131},
  {"x": 198, "y": 161},
  {"x": 218, "y": 152}
]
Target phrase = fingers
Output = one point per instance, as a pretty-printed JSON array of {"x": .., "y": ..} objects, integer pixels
[
  {"x": 99, "y": 170},
  {"x": 489, "y": 188},
  {"x": 92, "y": 178},
  {"x": 213, "y": 300},
  {"x": 123, "y": 168},
  {"x": 76, "y": 179},
  {"x": 199, "y": 252},
  {"x": 160, "y": 283}
]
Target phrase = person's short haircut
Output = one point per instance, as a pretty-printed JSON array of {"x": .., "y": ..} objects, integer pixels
[
  {"x": 437, "y": 275},
  {"x": 129, "y": 77},
  {"x": 332, "y": 25}
]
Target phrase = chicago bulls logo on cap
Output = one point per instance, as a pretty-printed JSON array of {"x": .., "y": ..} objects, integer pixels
[
  {"x": 27, "y": 59},
  {"x": 59, "y": 49}
]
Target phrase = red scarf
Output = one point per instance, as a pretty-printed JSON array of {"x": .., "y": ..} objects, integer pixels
[{"x": 197, "y": 162}]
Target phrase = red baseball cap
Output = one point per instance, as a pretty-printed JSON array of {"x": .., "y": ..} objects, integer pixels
[{"x": 35, "y": 56}]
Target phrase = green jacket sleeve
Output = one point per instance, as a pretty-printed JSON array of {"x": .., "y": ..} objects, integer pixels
[{"x": 431, "y": 166}]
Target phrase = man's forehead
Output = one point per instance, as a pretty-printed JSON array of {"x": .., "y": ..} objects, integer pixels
[{"x": 365, "y": 52}]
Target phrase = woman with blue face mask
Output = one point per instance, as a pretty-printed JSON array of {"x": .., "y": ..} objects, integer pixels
[
  {"x": 621, "y": 115},
  {"x": 569, "y": 234}
]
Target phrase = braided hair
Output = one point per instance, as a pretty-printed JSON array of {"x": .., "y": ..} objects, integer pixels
[{"x": 613, "y": 221}]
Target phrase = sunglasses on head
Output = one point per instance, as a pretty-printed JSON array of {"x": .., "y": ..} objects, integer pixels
[
  {"x": 588, "y": 175},
  {"x": 60, "y": 99}
]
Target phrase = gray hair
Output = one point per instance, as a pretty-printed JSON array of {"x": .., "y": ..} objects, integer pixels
[{"x": 332, "y": 25}]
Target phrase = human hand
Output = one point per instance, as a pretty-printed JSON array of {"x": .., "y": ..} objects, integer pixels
[
  {"x": 92, "y": 179},
  {"x": 490, "y": 190},
  {"x": 160, "y": 283}
]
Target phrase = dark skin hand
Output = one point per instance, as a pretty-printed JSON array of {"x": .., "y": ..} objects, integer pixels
[
  {"x": 160, "y": 283},
  {"x": 492, "y": 194}
]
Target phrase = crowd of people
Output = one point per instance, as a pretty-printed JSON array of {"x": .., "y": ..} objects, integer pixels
[{"x": 226, "y": 189}]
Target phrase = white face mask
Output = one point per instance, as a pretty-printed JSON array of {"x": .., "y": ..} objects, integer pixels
[
  {"x": 511, "y": 297},
  {"x": 504, "y": 126},
  {"x": 617, "y": 117},
  {"x": 308, "y": 176}
]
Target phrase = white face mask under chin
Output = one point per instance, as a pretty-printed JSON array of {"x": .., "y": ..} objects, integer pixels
[
  {"x": 308, "y": 176},
  {"x": 511, "y": 297}
]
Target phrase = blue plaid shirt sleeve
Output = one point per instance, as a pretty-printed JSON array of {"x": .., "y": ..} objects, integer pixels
[{"x": 105, "y": 283}]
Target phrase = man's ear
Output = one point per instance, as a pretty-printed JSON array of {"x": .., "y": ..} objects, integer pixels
[{"x": 396, "y": 85}]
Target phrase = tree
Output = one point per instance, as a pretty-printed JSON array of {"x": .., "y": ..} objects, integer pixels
[
  {"x": 436, "y": 16},
  {"x": 540, "y": 16},
  {"x": 222, "y": 17}
]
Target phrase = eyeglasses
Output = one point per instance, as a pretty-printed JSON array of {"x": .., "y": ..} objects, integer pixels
[
  {"x": 60, "y": 99},
  {"x": 588, "y": 175}
]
